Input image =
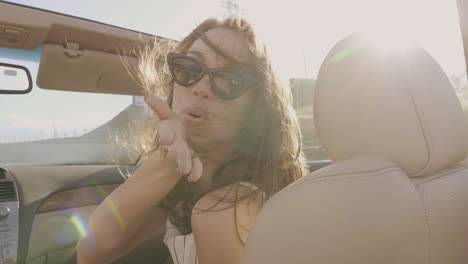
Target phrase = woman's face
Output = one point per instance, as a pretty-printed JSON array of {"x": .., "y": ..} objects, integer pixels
[{"x": 208, "y": 118}]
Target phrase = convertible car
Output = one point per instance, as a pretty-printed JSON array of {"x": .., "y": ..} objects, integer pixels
[{"x": 385, "y": 134}]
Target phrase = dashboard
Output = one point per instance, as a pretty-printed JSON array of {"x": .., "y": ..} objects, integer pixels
[
  {"x": 9, "y": 218},
  {"x": 44, "y": 212}
]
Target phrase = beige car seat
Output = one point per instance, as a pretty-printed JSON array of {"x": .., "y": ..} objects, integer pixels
[{"x": 397, "y": 191}]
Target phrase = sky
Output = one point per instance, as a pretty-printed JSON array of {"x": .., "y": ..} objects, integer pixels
[{"x": 298, "y": 34}]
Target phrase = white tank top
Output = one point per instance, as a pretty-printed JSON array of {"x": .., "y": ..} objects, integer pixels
[{"x": 182, "y": 247}]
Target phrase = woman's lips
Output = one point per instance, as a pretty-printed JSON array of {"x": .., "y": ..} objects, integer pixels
[{"x": 193, "y": 115}]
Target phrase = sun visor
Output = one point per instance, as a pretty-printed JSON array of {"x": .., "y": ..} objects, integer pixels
[{"x": 72, "y": 69}]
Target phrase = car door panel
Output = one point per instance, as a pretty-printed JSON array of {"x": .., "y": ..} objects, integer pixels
[{"x": 54, "y": 204}]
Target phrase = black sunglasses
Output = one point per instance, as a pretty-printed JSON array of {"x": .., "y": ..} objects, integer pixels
[{"x": 226, "y": 84}]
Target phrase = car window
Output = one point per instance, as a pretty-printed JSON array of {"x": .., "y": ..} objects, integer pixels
[
  {"x": 298, "y": 33},
  {"x": 58, "y": 127}
]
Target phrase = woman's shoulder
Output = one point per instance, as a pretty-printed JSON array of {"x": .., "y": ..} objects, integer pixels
[
  {"x": 227, "y": 196},
  {"x": 230, "y": 208}
]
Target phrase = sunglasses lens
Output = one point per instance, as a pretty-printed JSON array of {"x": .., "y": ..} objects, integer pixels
[
  {"x": 185, "y": 71},
  {"x": 225, "y": 84},
  {"x": 228, "y": 85}
]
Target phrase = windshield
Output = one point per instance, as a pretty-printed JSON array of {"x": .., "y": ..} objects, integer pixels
[
  {"x": 41, "y": 126},
  {"x": 57, "y": 127}
]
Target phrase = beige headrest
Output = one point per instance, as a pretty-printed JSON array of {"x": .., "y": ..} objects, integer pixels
[{"x": 399, "y": 104}]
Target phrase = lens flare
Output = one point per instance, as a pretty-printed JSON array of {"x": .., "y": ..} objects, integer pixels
[
  {"x": 112, "y": 207},
  {"x": 340, "y": 55},
  {"x": 61, "y": 232},
  {"x": 80, "y": 225}
]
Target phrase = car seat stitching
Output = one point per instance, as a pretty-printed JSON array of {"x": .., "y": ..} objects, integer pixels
[
  {"x": 337, "y": 179},
  {"x": 439, "y": 176},
  {"x": 421, "y": 119},
  {"x": 426, "y": 216},
  {"x": 351, "y": 173},
  {"x": 289, "y": 189}
]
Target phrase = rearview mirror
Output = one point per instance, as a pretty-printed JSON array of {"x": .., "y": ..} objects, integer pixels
[{"x": 14, "y": 79}]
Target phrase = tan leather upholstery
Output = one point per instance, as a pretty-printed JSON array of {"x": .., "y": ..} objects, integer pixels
[
  {"x": 383, "y": 118},
  {"x": 399, "y": 104}
]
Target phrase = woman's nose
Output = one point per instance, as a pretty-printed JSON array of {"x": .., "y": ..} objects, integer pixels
[{"x": 203, "y": 88}]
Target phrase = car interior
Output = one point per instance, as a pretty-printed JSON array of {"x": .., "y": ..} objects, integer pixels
[
  {"x": 394, "y": 190},
  {"x": 397, "y": 190}
]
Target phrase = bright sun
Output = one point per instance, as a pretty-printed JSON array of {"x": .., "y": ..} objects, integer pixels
[{"x": 301, "y": 32}]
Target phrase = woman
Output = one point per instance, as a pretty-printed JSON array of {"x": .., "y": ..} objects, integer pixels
[{"x": 228, "y": 140}]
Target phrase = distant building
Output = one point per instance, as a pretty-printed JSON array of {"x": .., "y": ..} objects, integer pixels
[
  {"x": 138, "y": 101},
  {"x": 460, "y": 83},
  {"x": 302, "y": 90}
]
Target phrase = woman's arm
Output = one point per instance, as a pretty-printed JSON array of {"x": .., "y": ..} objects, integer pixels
[
  {"x": 118, "y": 223},
  {"x": 128, "y": 216},
  {"x": 152, "y": 226}
]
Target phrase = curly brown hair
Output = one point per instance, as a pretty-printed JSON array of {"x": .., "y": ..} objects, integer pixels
[{"x": 269, "y": 143}]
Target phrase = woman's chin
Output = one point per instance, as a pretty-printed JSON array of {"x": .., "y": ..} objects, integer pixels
[
  {"x": 206, "y": 146},
  {"x": 202, "y": 142}
]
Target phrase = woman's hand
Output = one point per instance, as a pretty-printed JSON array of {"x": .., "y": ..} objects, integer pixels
[{"x": 172, "y": 140}]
